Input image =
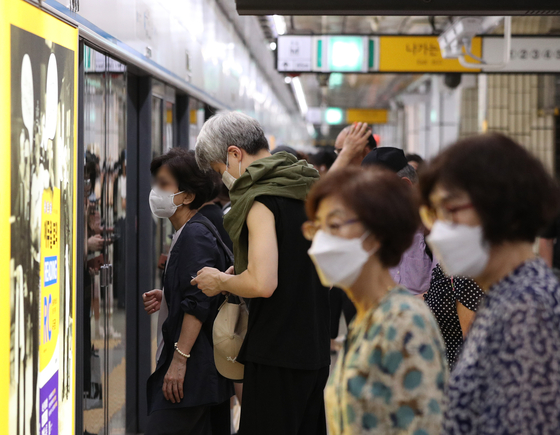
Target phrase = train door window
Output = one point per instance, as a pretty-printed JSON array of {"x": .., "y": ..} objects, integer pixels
[
  {"x": 104, "y": 329},
  {"x": 196, "y": 118},
  {"x": 163, "y": 139}
]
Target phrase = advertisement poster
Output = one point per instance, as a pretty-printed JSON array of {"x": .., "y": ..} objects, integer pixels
[{"x": 38, "y": 203}]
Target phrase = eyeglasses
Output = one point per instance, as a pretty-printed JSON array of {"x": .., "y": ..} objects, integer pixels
[
  {"x": 310, "y": 228},
  {"x": 444, "y": 213}
]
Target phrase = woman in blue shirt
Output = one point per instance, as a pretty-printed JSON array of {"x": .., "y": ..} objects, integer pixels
[
  {"x": 486, "y": 200},
  {"x": 185, "y": 387}
]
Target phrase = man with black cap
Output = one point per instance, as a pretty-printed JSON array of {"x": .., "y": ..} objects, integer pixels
[{"x": 415, "y": 268}]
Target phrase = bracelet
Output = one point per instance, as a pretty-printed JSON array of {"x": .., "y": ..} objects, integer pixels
[{"x": 181, "y": 353}]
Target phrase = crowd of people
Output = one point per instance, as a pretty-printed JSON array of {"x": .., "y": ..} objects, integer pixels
[{"x": 453, "y": 318}]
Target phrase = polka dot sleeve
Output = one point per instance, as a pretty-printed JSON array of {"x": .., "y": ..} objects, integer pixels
[{"x": 467, "y": 292}]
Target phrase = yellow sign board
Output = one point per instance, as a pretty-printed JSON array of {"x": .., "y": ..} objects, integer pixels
[
  {"x": 38, "y": 218},
  {"x": 420, "y": 54},
  {"x": 371, "y": 116}
]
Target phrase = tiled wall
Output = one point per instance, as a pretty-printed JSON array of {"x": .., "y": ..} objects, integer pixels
[
  {"x": 513, "y": 109},
  {"x": 468, "y": 124}
]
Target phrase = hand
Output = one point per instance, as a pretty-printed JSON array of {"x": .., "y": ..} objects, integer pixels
[
  {"x": 356, "y": 140},
  {"x": 174, "y": 379},
  {"x": 95, "y": 243},
  {"x": 152, "y": 301},
  {"x": 208, "y": 280}
]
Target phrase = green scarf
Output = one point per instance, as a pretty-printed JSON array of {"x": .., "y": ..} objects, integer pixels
[{"x": 278, "y": 175}]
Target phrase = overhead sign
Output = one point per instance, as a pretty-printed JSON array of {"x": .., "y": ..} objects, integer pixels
[
  {"x": 527, "y": 54},
  {"x": 294, "y": 53},
  {"x": 342, "y": 54},
  {"x": 370, "y": 116},
  {"x": 410, "y": 54},
  {"x": 337, "y": 116},
  {"x": 419, "y": 54}
]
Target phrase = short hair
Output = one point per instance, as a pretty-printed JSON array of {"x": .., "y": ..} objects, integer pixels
[
  {"x": 323, "y": 157},
  {"x": 224, "y": 130},
  {"x": 414, "y": 158},
  {"x": 371, "y": 142},
  {"x": 187, "y": 174},
  {"x": 389, "y": 210},
  {"x": 509, "y": 188},
  {"x": 410, "y": 173}
]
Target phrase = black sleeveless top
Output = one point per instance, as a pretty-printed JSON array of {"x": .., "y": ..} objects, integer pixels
[{"x": 291, "y": 328}]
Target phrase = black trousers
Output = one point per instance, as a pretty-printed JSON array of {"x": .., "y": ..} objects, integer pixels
[
  {"x": 198, "y": 420},
  {"x": 280, "y": 401}
]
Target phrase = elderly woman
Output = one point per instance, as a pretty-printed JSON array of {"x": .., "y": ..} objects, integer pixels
[
  {"x": 286, "y": 348},
  {"x": 487, "y": 198},
  {"x": 186, "y": 394},
  {"x": 390, "y": 376}
]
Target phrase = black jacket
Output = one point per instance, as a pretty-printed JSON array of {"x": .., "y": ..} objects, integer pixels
[{"x": 195, "y": 248}]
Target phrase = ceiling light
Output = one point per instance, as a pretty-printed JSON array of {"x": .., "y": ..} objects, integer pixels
[
  {"x": 280, "y": 24},
  {"x": 300, "y": 95},
  {"x": 272, "y": 46},
  {"x": 287, "y": 79}
]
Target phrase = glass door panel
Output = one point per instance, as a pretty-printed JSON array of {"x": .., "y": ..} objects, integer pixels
[{"x": 105, "y": 211}]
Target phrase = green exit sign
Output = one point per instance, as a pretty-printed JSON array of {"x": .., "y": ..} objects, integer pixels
[
  {"x": 346, "y": 53},
  {"x": 343, "y": 54}
]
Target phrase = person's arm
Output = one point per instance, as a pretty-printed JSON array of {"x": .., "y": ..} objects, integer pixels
[
  {"x": 196, "y": 249},
  {"x": 466, "y": 318},
  {"x": 546, "y": 250},
  {"x": 468, "y": 296},
  {"x": 261, "y": 277},
  {"x": 175, "y": 376},
  {"x": 354, "y": 145}
]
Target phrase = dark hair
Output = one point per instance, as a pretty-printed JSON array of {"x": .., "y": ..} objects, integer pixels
[
  {"x": 323, "y": 157},
  {"x": 183, "y": 168},
  {"x": 371, "y": 142},
  {"x": 509, "y": 188},
  {"x": 414, "y": 158},
  {"x": 389, "y": 209},
  {"x": 217, "y": 184}
]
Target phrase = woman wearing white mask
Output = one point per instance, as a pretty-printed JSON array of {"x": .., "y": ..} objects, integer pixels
[
  {"x": 185, "y": 386},
  {"x": 390, "y": 376},
  {"x": 486, "y": 200}
]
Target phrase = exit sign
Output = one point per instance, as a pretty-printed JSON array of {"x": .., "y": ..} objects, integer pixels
[{"x": 328, "y": 53}]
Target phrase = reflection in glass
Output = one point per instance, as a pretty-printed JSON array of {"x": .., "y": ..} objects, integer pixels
[
  {"x": 162, "y": 141},
  {"x": 105, "y": 212}
]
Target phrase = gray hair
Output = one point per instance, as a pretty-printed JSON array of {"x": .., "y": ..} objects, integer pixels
[
  {"x": 224, "y": 130},
  {"x": 410, "y": 173}
]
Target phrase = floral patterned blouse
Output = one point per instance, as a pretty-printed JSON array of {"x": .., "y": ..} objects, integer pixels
[
  {"x": 390, "y": 376},
  {"x": 507, "y": 379}
]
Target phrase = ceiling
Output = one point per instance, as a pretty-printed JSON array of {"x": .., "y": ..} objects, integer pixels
[{"x": 375, "y": 90}]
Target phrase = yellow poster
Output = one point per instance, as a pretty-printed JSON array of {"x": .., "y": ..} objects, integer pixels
[
  {"x": 419, "y": 54},
  {"x": 38, "y": 118},
  {"x": 50, "y": 288}
]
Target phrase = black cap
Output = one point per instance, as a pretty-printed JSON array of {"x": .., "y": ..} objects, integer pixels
[
  {"x": 284, "y": 148},
  {"x": 389, "y": 157}
]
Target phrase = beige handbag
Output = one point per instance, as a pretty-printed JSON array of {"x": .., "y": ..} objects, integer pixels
[{"x": 228, "y": 334}]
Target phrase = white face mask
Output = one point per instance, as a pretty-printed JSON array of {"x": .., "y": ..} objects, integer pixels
[
  {"x": 161, "y": 203},
  {"x": 227, "y": 178},
  {"x": 338, "y": 261},
  {"x": 461, "y": 249}
]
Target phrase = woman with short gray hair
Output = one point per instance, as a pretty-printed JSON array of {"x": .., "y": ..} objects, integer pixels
[{"x": 286, "y": 349}]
